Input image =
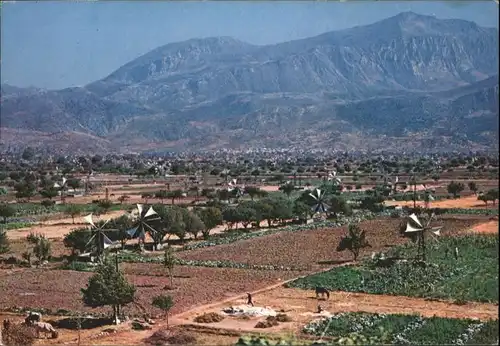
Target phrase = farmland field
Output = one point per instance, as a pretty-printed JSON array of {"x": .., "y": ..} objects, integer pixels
[
  {"x": 60, "y": 289},
  {"x": 471, "y": 279},
  {"x": 473, "y": 276},
  {"x": 316, "y": 247},
  {"x": 405, "y": 329}
]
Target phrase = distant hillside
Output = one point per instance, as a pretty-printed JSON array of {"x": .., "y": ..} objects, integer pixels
[{"x": 407, "y": 81}]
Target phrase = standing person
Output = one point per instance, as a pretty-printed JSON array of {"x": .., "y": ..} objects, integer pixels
[{"x": 249, "y": 299}]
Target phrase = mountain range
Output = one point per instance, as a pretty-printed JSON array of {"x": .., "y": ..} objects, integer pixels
[{"x": 409, "y": 82}]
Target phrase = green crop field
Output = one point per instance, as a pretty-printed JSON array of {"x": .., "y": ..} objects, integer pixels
[
  {"x": 366, "y": 328},
  {"x": 472, "y": 277}
]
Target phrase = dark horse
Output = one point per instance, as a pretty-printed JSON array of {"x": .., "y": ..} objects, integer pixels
[{"x": 322, "y": 291}]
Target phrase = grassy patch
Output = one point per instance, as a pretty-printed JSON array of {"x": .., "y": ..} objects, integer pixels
[
  {"x": 473, "y": 277},
  {"x": 403, "y": 329},
  {"x": 15, "y": 225}
]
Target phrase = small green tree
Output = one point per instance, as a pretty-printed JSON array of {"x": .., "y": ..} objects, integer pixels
[
  {"x": 492, "y": 195},
  {"x": 6, "y": 210},
  {"x": 123, "y": 198},
  {"x": 252, "y": 191},
  {"x": 301, "y": 210},
  {"x": 338, "y": 204},
  {"x": 4, "y": 242},
  {"x": 108, "y": 286},
  {"x": 74, "y": 183},
  {"x": 193, "y": 223},
  {"x": 211, "y": 218},
  {"x": 73, "y": 210},
  {"x": 105, "y": 205},
  {"x": 287, "y": 189},
  {"x": 455, "y": 188},
  {"x": 354, "y": 241},
  {"x": 245, "y": 214},
  {"x": 169, "y": 263},
  {"x": 42, "y": 248},
  {"x": 49, "y": 192},
  {"x": 164, "y": 303},
  {"x": 473, "y": 187},
  {"x": 77, "y": 240},
  {"x": 176, "y": 194}
]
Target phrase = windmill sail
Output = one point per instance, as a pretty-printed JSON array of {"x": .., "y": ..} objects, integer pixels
[
  {"x": 436, "y": 230},
  {"x": 139, "y": 208},
  {"x": 89, "y": 220},
  {"x": 415, "y": 219},
  {"x": 107, "y": 242},
  {"x": 132, "y": 232},
  {"x": 150, "y": 212},
  {"x": 409, "y": 228}
]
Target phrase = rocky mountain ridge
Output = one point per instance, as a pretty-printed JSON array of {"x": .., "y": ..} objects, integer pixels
[{"x": 399, "y": 80}]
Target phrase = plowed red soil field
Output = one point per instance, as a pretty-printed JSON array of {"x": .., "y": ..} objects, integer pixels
[
  {"x": 60, "y": 289},
  {"x": 316, "y": 247}
]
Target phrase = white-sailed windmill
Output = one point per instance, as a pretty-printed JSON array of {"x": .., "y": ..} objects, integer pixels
[
  {"x": 428, "y": 196},
  {"x": 143, "y": 220},
  {"x": 419, "y": 230},
  {"x": 233, "y": 182},
  {"x": 332, "y": 177},
  {"x": 320, "y": 206},
  {"x": 61, "y": 187},
  {"x": 395, "y": 185},
  {"x": 98, "y": 241}
]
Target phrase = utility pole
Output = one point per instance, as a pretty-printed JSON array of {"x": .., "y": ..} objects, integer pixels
[{"x": 414, "y": 192}]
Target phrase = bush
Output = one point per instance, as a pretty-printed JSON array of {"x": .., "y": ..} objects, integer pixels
[
  {"x": 47, "y": 203},
  {"x": 18, "y": 334}
]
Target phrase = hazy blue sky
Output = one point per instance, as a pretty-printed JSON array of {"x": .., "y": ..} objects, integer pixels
[{"x": 60, "y": 44}]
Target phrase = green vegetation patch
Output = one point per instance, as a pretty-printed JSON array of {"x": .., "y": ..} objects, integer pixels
[
  {"x": 15, "y": 225},
  {"x": 402, "y": 329},
  {"x": 471, "y": 277}
]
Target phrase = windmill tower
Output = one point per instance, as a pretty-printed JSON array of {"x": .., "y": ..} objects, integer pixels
[
  {"x": 395, "y": 185},
  {"x": 87, "y": 182},
  {"x": 428, "y": 196},
  {"x": 319, "y": 197},
  {"x": 420, "y": 229},
  {"x": 335, "y": 180},
  {"x": 143, "y": 222},
  {"x": 98, "y": 241},
  {"x": 235, "y": 190},
  {"x": 61, "y": 187}
]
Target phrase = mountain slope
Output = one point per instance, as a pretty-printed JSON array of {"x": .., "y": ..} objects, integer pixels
[{"x": 400, "y": 80}]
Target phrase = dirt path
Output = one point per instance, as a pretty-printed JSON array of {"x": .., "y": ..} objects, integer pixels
[
  {"x": 301, "y": 306},
  {"x": 466, "y": 202},
  {"x": 60, "y": 227}
]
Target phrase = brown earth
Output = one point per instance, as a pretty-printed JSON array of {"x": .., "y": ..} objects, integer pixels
[
  {"x": 490, "y": 227},
  {"x": 60, "y": 289},
  {"x": 464, "y": 203},
  {"x": 301, "y": 306},
  {"x": 316, "y": 248}
]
